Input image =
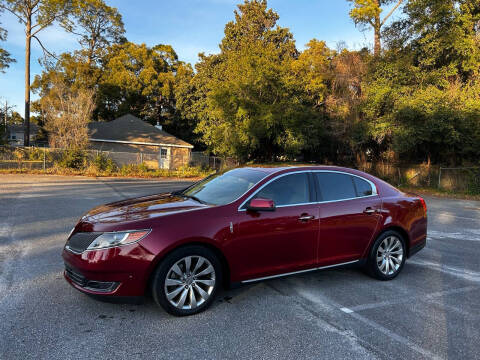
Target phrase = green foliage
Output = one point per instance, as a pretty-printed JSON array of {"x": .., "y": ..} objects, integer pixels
[
  {"x": 367, "y": 13},
  {"x": 104, "y": 163},
  {"x": 73, "y": 159},
  {"x": 473, "y": 185},
  {"x": 422, "y": 97},
  {"x": 137, "y": 79},
  {"x": 246, "y": 99},
  {"x": 5, "y": 58},
  {"x": 97, "y": 25},
  {"x": 35, "y": 154},
  {"x": 442, "y": 36},
  {"x": 261, "y": 99}
]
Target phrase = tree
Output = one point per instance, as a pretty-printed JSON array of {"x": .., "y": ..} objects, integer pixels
[
  {"x": 73, "y": 68},
  {"x": 246, "y": 100},
  {"x": 67, "y": 112},
  {"x": 368, "y": 13},
  {"x": 98, "y": 26},
  {"x": 312, "y": 70},
  {"x": 442, "y": 37},
  {"x": 137, "y": 79},
  {"x": 185, "y": 120},
  {"x": 7, "y": 116},
  {"x": 421, "y": 98},
  {"x": 5, "y": 58},
  {"x": 35, "y": 15}
]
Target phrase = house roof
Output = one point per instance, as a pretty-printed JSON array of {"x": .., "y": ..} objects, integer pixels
[
  {"x": 21, "y": 128},
  {"x": 129, "y": 129}
]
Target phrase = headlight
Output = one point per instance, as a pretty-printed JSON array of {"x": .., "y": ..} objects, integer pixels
[{"x": 110, "y": 239}]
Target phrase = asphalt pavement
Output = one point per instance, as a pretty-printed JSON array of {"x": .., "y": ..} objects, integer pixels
[{"x": 430, "y": 311}]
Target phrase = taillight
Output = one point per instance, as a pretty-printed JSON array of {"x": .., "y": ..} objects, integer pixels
[{"x": 424, "y": 204}]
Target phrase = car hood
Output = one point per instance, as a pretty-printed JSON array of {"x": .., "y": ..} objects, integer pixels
[{"x": 142, "y": 208}]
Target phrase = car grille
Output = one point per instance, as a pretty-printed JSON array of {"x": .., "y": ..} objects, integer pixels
[
  {"x": 80, "y": 241},
  {"x": 82, "y": 281}
]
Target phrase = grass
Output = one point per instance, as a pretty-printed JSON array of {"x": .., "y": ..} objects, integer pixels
[
  {"x": 137, "y": 171},
  {"x": 102, "y": 168}
]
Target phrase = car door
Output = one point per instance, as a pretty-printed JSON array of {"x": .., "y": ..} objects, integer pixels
[
  {"x": 279, "y": 241},
  {"x": 349, "y": 216}
]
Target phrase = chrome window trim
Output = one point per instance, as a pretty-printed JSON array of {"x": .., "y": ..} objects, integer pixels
[
  {"x": 268, "y": 182},
  {"x": 372, "y": 185},
  {"x": 299, "y": 272}
]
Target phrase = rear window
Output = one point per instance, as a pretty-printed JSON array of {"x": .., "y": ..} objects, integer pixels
[
  {"x": 363, "y": 187},
  {"x": 335, "y": 186}
]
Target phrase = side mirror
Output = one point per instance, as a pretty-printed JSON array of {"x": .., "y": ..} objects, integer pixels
[{"x": 260, "y": 204}]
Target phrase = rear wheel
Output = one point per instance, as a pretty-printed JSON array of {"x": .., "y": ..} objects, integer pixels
[
  {"x": 187, "y": 280},
  {"x": 387, "y": 256}
]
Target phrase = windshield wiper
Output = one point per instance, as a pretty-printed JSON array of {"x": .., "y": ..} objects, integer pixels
[{"x": 194, "y": 198}]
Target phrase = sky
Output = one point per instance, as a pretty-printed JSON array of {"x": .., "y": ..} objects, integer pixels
[{"x": 190, "y": 26}]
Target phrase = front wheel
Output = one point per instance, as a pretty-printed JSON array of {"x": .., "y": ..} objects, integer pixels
[
  {"x": 387, "y": 256},
  {"x": 187, "y": 280}
]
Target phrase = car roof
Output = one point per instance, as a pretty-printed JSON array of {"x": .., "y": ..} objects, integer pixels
[{"x": 277, "y": 169}]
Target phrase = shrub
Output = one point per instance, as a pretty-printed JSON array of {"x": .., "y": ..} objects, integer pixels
[
  {"x": 193, "y": 171},
  {"x": 34, "y": 154},
  {"x": 473, "y": 185},
  {"x": 104, "y": 163},
  {"x": 73, "y": 159},
  {"x": 134, "y": 170}
]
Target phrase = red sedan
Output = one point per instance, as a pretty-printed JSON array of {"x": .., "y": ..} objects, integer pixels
[{"x": 240, "y": 226}]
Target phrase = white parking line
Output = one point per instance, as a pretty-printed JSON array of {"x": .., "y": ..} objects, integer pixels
[
  {"x": 461, "y": 273},
  {"x": 434, "y": 215},
  {"x": 402, "y": 340},
  {"x": 329, "y": 305},
  {"x": 407, "y": 299},
  {"x": 466, "y": 235}
]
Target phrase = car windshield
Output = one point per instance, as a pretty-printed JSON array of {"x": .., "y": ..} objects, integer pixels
[{"x": 223, "y": 188}]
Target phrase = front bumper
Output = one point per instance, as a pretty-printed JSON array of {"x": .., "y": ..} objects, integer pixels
[{"x": 119, "y": 271}]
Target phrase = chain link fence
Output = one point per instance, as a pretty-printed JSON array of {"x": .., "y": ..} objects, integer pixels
[
  {"x": 455, "y": 179},
  {"x": 466, "y": 179},
  {"x": 36, "y": 158}
]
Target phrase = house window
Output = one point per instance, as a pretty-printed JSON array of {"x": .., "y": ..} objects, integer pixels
[
  {"x": 14, "y": 137},
  {"x": 163, "y": 153}
]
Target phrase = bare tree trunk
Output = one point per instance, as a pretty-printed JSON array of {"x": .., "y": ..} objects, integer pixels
[
  {"x": 377, "y": 41},
  {"x": 28, "y": 32}
]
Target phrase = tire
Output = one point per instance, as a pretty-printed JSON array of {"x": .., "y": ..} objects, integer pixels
[
  {"x": 187, "y": 280},
  {"x": 387, "y": 255}
]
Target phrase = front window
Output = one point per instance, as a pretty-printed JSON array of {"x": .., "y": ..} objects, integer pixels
[
  {"x": 287, "y": 190},
  {"x": 223, "y": 188}
]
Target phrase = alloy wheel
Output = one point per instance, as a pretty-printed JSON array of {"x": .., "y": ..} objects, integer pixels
[
  {"x": 390, "y": 255},
  {"x": 189, "y": 282}
]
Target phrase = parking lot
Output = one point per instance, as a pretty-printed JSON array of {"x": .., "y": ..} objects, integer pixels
[{"x": 431, "y": 310}]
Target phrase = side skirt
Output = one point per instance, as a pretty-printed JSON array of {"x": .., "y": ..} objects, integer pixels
[{"x": 300, "y": 272}]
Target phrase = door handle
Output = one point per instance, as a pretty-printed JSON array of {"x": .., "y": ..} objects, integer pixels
[
  {"x": 306, "y": 217},
  {"x": 369, "y": 210}
]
